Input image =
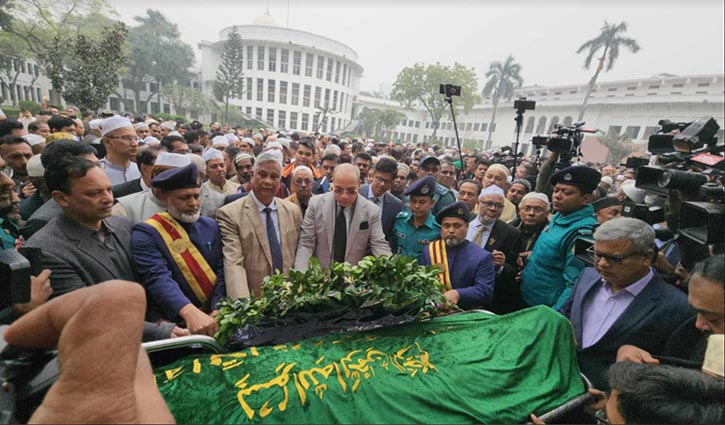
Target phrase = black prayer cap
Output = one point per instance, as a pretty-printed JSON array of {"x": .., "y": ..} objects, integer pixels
[{"x": 457, "y": 209}]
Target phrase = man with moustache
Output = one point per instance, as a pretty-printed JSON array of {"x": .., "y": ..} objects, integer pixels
[
  {"x": 302, "y": 181},
  {"x": 467, "y": 269},
  {"x": 178, "y": 254},
  {"x": 121, "y": 143}
]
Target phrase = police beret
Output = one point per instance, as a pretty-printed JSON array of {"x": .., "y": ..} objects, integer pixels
[
  {"x": 177, "y": 178},
  {"x": 605, "y": 202},
  {"x": 585, "y": 178},
  {"x": 457, "y": 209},
  {"x": 422, "y": 187}
]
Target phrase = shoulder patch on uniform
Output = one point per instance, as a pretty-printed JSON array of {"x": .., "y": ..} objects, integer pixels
[
  {"x": 403, "y": 214},
  {"x": 441, "y": 189}
]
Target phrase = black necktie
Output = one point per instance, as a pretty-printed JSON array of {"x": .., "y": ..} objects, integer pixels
[
  {"x": 274, "y": 247},
  {"x": 339, "y": 239}
]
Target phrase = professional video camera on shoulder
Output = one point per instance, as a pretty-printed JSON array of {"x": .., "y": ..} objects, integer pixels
[{"x": 565, "y": 140}]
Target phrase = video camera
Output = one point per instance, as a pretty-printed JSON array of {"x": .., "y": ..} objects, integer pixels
[
  {"x": 449, "y": 90},
  {"x": 16, "y": 267},
  {"x": 565, "y": 140}
]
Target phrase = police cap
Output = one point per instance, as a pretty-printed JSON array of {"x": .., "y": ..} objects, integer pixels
[
  {"x": 585, "y": 178},
  {"x": 422, "y": 187}
]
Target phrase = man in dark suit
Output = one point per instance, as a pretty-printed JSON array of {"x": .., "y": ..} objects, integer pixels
[
  {"x": 622, "y": 300},
  {"x": 503, "y": 241},
  {"x": 85, "y": 245},
  {"x": 379, "y": 193}
]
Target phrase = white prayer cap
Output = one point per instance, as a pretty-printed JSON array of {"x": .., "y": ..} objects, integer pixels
[
  {"x": 198, "y": 161},
  {"x": 140, "y": 126},
  {"x": 274, "y": 145},
  {"x": 492, "y": 190},
  {"x": 636, "y": 195},
  {"x": 538, "y": 196},
  {"x": 231, "y": 138},
  {"x": 500, "y": 168},
  {"x": 114, "y": 123},
  {"x": 35, "y": 167},
  {"x": 277, "y": 154},
  {"x": 34, "y": 139},
  {"x": 249, "y": 141},
  {"x": 172, "y": 159},
  {"x": 151, "y": 141},
  {"x": 284, "y": 142},
  {"x": 95, "y": 124},
  {"x": 608, "y": 180},
  {"x": 175, "y": 133},
  {"x": 219, "y": 141},
  {"x": 243, "y": 155},
  {"x": 212, "y": 153},
  {"x": 151, "y": 121},
  {"x": 171, "y": 125}
]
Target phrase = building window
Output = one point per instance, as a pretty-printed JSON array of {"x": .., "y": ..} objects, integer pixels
[
  {"x": 678, "y": 85},
  {"x": 282, "y": 119},
  {"x": 315, "y": 122},
  {"x": 270, "y": 116},
  {"x": 295, "y": 94},
  {"x": 167, "y": 108},
  {"x": 270, "y": 90},
  {"x": 469, "y": 126},
  {"x": 334, "y": 100},
  {"x": 318, "y": 96},
  {"x": 320, "y": 65},
  {"x": 573, "y": 92},
  {"x": 260, "y": 58},
  {"x": 309, "y": 57},
  {"x": 427, "y": 124},
  {"x": 656, "y": 86},
  {"x": 648, "y": 131},
  {"x": 344, "y": 74},
  {"x": 529, "y": 125},
  {"x": 258, "y": 113},
  {"x": 329, "y": 69},
  {"x": 403, "y": 122},
  {"x": 539, "y": 128},
  {"x": 260, "y": 90},
  {"x": 567, "y": 121},
  {"x": 484, "y": 126},
  {"x": 332, "y": 124},
  {"x": 293, "y": 120},
  {"x": 327, "y": 98},
  {"x": 703, "y": 84},
  {"x": 349, "y": 74},
  {"x": 553, "y": 123},
  {"x": 284, "y": 61},
  {"x": 248, "y": 110},
  {"x": 476, "y": 126},
  {"x": 305, "y": 122},
  {"x": 113, "y": 103},
  {"x": 250, "y": 57},
  {"x": 337, "y": 72},
  {"x": 306, "y": 95},
  {"x": 273, "y": 59},
  {"x": 283, "y": 92},
  {"x": 297, "y": 64},
  {"x": 249, "y": 88},
  {"x": 616, "y": 129},
  {"x": 630, "y": 88},
  {"x": 612, "y": 89}
]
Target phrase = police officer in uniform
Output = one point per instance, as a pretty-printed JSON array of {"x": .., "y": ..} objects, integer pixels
[
  {"x": 416, "y": 227},
  {"x": 552, "y": 269},
  {"x": 468, "y": 272},
  {"x": 442, "y": 196}
]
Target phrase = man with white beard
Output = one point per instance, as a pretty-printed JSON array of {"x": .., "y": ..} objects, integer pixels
[
  {"x": 467, "y": 269},
  {"x": 178, "y": 255}
]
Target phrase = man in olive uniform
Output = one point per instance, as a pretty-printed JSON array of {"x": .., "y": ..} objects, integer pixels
[{"x": 416, "y": 227}]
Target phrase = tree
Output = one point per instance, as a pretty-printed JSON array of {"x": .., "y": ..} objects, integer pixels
[
  {"x": 374, "y": 121},
  {"x": 388, "y": 119},
  {"x": 229, "y": 83},
  {"x": 619, "y": 146},
  {"x": 610, "y": 39},
  {"x": 418, "y": 86},
  {"x": 503, "y": 79},
  {"x": 158, "y": 55},
  {"x": 46, "y": 26},
  {"x": 95, "y": 68},
  {"x": 186, "y": 99}
]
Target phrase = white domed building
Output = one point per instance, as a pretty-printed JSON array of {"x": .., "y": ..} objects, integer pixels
[{"x": 293, "y": 79}]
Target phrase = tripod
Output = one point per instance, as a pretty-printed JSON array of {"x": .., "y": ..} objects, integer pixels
[{"x": 449, "y": 99}]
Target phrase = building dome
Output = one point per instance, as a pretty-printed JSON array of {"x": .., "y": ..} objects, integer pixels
[{"x": 266, "y": 20}]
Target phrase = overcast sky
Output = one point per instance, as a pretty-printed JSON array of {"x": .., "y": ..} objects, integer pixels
[{"x": 684, "y": 38}]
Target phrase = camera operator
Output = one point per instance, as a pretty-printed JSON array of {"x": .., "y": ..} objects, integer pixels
[{"x": 552, "y": 269}]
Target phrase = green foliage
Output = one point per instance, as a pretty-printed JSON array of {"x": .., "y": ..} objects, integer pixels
[
  {"x": 5, "y": 17},
  {"x": 229, "y": 83},
  {"x": 186, "y": 99},
  {"x": 383, "y": 283},
  {"x": 95, "y": 68},
  {"x": 157, "y": 55},
  {"x": 418, "y": 86},
  {"x": 11, "y": 111},
  {"x": 374, "y": 121},
  {"x": 166, "y": 117},
  {"x": 503, "y": 79},
  {"x": 619, "y": 146},
  {"x": 33, "y": 107}
]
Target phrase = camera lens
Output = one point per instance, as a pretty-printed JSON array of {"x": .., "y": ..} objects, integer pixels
[{"x": 664, "y": 179}]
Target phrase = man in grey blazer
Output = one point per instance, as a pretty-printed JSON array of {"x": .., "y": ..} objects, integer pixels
[
  {"x": 378, "y": 192},
  {"x": 84, "y": 245},
  {"x": 622, "y": 300},
  {"x": 341, "y": 225}
]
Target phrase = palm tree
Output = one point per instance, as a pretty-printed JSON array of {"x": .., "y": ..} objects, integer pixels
[
  {"x": 503, "y": 79},
  {"x": 611, "y": 39}
]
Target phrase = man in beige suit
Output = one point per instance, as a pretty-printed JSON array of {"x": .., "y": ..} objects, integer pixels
[
  {"x": 259, "y": 232},
  {"x": 341, "y": 225}
]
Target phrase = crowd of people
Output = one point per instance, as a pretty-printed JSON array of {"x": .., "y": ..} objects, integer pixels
[{"x": 195, "y": 214}]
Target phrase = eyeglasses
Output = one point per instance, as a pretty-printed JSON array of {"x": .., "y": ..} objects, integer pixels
[
  {"x": 303, "y": 182},
  {"x": 128, "y": 139},
  {"x": 349, "y": 191},
  {"x": 611, "y": 259},
  {"x": 492, "y": 205},
  {"x": 7, "y": 172},
  {"x": 537, "y": 210},
  {"x": 381, "y": 180}
]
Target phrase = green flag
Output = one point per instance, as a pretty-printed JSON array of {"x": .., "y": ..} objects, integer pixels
[{"x": 466, "y": 368}]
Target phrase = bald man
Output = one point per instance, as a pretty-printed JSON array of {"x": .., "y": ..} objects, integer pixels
[{"x": 341, "y": 225}]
